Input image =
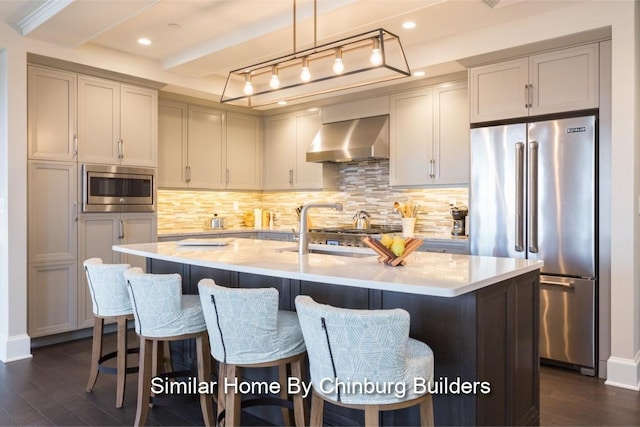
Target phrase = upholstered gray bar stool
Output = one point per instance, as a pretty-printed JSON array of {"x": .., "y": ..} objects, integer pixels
[
  {"x": 162, "y": 313},
  {"x": 369, "y": 350},
  {"x": 247, "y": 330},
  {"x": 110, "y": 299}
]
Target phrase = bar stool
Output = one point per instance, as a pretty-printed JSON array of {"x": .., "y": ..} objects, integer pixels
[
  {"x": 109, "y": 296},
  {"x": 364, "y": 359},
  {"x": 247, "y": 330},
  {"x": 162, "y": 313}
]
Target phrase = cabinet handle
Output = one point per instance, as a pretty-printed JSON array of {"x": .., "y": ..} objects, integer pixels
[
  {"x": 75, "y": 145},
  {"x": 121, "y": 229},
  {"x": 432, "y": 165},
  {"x": 528, "y": 88},
  {"x": 187, "y": 174},
  {"x": 120, "y": 149},
  {"x": 227, "y": 177},
  {"x": 75, "y": 211},
  {"x": 291, "y": 176}
]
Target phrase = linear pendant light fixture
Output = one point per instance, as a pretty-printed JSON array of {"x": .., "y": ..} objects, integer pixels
[{"x": 371, "y": 57}]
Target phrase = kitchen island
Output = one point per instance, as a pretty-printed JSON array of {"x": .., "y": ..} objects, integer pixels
[{"x": 478, "y": 314}]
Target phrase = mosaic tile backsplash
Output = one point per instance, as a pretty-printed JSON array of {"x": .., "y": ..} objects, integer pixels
[{"x": 363, "y": 186}]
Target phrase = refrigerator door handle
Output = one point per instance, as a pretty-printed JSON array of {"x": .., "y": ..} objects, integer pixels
[
  {"x": 563, "y": 283},
  {"x": 519, "y": 247},
  {"x": 533, "y": 197}
]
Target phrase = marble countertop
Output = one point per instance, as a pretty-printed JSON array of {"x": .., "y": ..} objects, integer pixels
[{"x": 435, "y": 274}]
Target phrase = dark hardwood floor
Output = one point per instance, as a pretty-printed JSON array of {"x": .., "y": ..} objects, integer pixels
[{"x": 49, "y": 390}]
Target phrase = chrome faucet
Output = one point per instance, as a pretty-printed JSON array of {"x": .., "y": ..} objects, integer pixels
[{"x": 303, "y": 240}]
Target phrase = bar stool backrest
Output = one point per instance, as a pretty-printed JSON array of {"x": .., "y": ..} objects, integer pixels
[
  {"x": 242, "y": 323},
  {"x": 156, "y": 301},
  {"x": 354, "y": 346},
  {"x": 107, "y": 288}
]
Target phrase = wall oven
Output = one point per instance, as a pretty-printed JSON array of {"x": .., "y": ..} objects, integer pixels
[{"x": 107, "y": 188}]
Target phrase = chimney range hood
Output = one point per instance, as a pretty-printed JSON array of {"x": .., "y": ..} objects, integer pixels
[{"x": 357, "y": 139}]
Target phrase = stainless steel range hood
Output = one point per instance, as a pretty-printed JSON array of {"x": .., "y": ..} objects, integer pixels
[{"x": 358, "y": 139}]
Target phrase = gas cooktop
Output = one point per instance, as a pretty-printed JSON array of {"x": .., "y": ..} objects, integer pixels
[
  {"x": 347, "y": 235},
  {"x": 374, "y": 229}
]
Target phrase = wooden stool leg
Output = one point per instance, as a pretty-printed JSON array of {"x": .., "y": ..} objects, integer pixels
[
  {"x": 317, "y": 411},
  {"x": 121, "y": 360},
  {"x": 298, "y": 402},
  {"x": 371, "y": 415},
  {"x": 233, "y": 400},
  {"x": 204, "y": 375},
  {"x": 222, "y": 372},
  {"x": 167, "y": 363},
  {"x": 96, "y": 352},
  {"x": 282, "y": 378},
  {"x": 144, "y": 381},
  {"x": 426, "y": 412}
]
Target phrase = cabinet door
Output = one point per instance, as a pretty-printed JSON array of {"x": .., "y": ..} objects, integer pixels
[
  {"x": 306, "y": 174},
  {"x": 53, "y": 209},
  {"x": 172, "y": 144},
  {"x": 243, "y": 152},
  {"x": 51, "y": 118},
  {"x": 279, "y": 138},
  {"x": 98, "y": 232},
  {"x": 411, "y": 137},
  {"x": 451, "y": 134},
  {"x": 138, "y": 126},
  {"x": 52, "y": 295},
  {"x": 98, "y": 120},
  {"x": 205, "y": 148},
  {"x": 137, "y": 228},
  {"x": 565, "y": 80},
  {"x": 499, "y": 91}
]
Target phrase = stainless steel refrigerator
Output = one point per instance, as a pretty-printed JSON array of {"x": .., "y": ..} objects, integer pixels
[{"x": 533, "y": 195}]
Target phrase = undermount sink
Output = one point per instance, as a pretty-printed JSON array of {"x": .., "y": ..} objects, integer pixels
[{"x": 335, "y": 251}]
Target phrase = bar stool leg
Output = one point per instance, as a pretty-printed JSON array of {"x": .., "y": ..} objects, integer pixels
[
  {"x": 144, "y": 381},
  {"x": 282, "y": 378},
  {"x": 222, "y": 371},
  {"x": 298, "y": 403},
  {"x": 371, "y": 415},
  {"x": 233, "y": 400},
  {"x": 426, "y": 412},
  {"x": 204, "y": 375},
  {"x": 96, "y": 352},
  {"x": 317, "y": 409},
  {"x": 121, "y": 360}
]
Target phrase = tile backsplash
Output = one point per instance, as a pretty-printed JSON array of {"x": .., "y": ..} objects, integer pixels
[{"x": 363, "y": 186}]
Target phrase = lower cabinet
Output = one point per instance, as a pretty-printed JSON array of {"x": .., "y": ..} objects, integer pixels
[{"x": 98, "y": 232}]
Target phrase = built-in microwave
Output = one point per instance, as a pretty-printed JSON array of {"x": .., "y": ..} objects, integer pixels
[{"x": 108, "y": 188}]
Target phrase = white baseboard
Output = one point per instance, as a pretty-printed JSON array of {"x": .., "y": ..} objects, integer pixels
[
  {"x": 14, "y": 348},
  {"x": 624, "y": 373}
]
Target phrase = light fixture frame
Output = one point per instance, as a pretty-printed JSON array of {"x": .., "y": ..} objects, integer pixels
[{"x": 400, "y": 69}]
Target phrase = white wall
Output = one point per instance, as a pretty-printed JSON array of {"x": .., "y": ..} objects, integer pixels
[{"x": 621, "y": 16}]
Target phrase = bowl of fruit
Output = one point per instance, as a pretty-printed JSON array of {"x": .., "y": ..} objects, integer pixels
[{"x": 393, "y": 250}]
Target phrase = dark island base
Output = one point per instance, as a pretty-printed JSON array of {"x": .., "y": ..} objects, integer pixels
[{"x": 489, "y": 335}]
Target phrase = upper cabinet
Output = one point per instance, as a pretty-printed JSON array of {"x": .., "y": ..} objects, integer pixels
[
  {"x": 205, "y": 148},
  {"x": 429, "y": 135},
  {"x": 552, "y": 82},
  {"x": 286, "y": 139},
  {"x": 51, "y": 119},
  {"x": 117, "y": 123}
]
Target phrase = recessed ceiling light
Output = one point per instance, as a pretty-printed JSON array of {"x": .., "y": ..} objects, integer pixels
[
  {"x": 143, "y": 41},
  {"x": 418, "y": 74},
  {"x": 408, "y": 25},
  {"x": 174, "y": 25},
  {"x": 282, "y": 102}
]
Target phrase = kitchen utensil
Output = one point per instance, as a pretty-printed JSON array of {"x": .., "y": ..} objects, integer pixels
[{"x": 361, "y": 220}]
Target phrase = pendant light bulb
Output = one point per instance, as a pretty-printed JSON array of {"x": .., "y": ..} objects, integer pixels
[
  {"x": 274, "y": 83},
  {"x": 338, "y": 65},
  {"x": 305, "y": 74},
  {"x": 376, "y": 54},
  {"x": 248, "y": 86}
]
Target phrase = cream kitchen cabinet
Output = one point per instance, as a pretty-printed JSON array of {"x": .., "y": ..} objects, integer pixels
[
  {"x": 429, "y": 136},
  {"x": 286, "y": 139},
  {"x": 117, "y": 123},
  {"x": 52, "y": 247},
  {"x": 172, "y": 144},
  {"x": 51, "y": 122},
  {"x": 98, "y": 232},
  {"x": 244, "y": 160},
  {"x": 551, "y": 82}
]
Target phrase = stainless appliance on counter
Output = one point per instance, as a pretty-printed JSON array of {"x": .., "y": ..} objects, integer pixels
[
  {"x": 533, "y": 195},
  {"x": 110, "y": 188},
  {"x": 349, "y": 236}
]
